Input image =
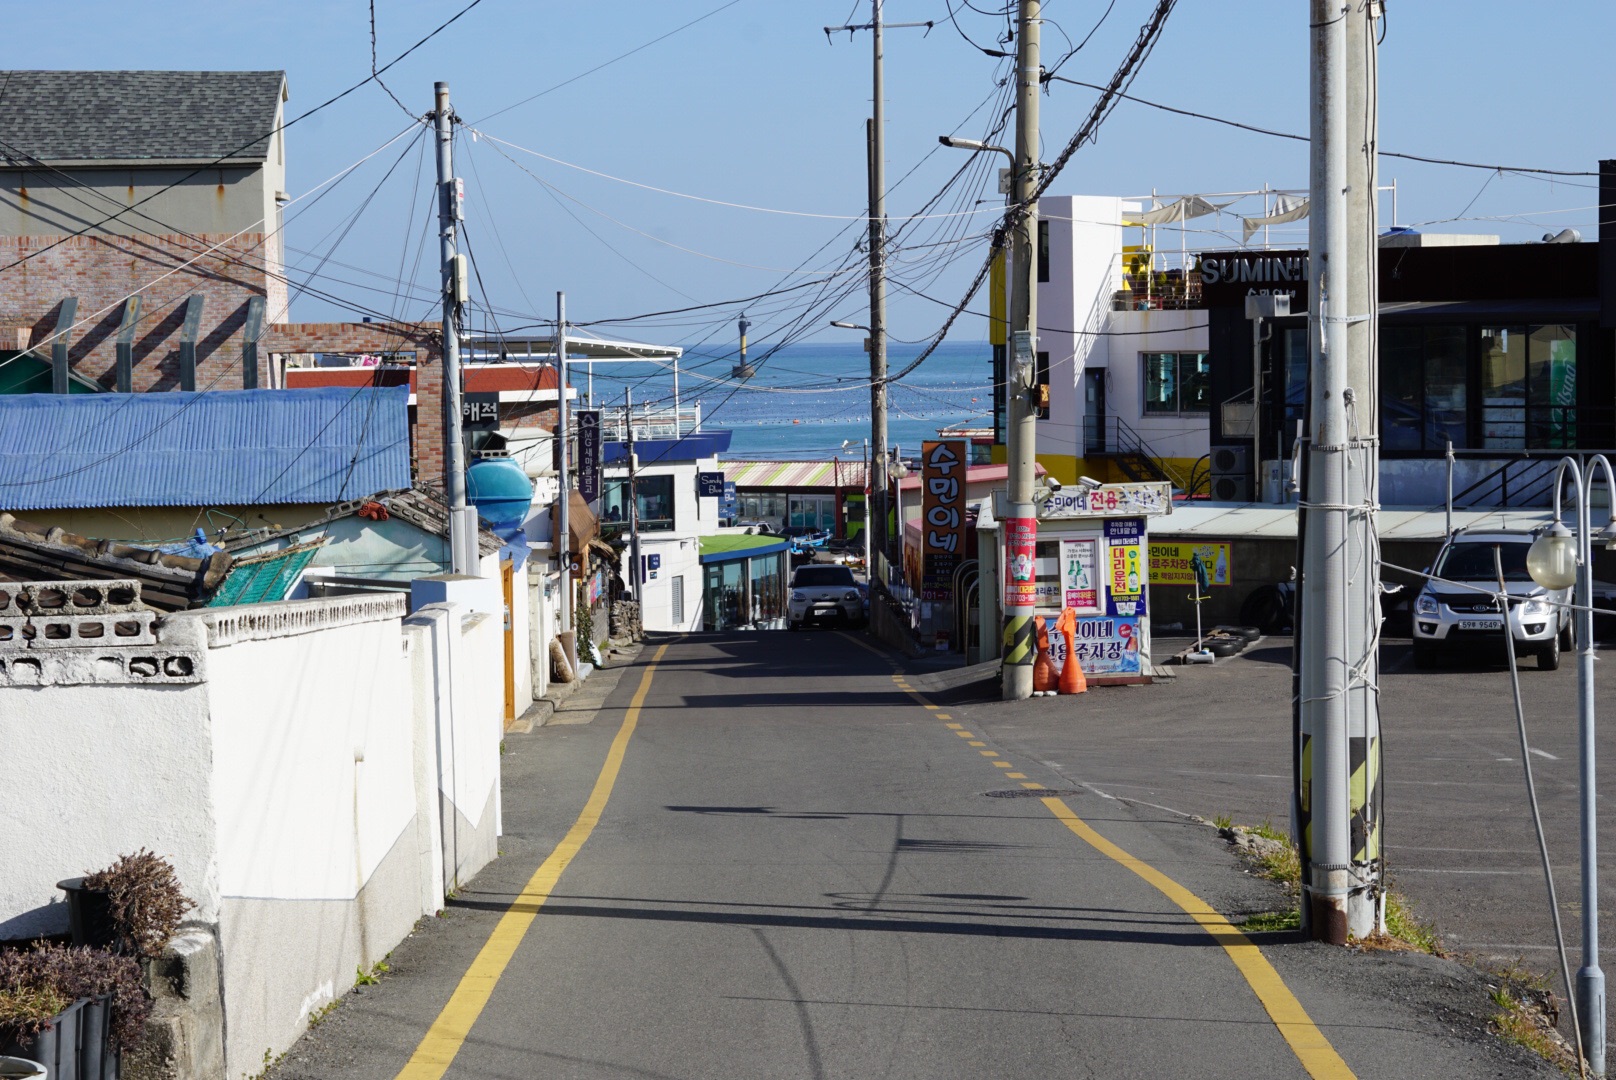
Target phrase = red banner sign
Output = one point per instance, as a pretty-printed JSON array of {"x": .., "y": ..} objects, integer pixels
[{"x": 1020, "y": 563}]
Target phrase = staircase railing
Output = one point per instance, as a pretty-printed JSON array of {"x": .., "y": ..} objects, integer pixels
[{"x": 1111, "y": 436}]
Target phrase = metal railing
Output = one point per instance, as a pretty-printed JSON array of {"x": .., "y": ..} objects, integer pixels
[
  {"x": 1111, "y": 436},
  {"x": 651, "y": 423}
]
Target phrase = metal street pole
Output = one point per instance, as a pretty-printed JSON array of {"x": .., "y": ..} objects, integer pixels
[
  {"x": 461, "y": 533},
  {"x": 878, "y": 310},
  {"x": 564, "y": 506},
  {"x": 1022, "y": 433},
  {"x": 637, "y": 574}
]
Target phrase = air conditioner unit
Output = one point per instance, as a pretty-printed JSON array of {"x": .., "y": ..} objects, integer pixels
[{"x": 1229, "y": 480}]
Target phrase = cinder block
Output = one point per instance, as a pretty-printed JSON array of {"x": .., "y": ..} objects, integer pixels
[
  {"x": 94, "y": 631},
  {"x": 15, "y": 632},
  {"x": 79, "y": 597}
]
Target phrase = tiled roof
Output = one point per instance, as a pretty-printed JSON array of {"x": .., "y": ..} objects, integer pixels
[
  {"x": 138, "y": 115},
  {"x": 210, "y": 448}
]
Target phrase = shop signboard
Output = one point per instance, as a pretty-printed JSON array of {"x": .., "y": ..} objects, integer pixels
[
  {"x": 1105, "y": 646},
  {"x": 1125, "y": 567},
  {"x": 589, "y": 469},
  {"x": 1020, "y": 563},
  {"x": 1109, "y": 500},
  {"x": 1079, "y": 574},
  {"x": 710, "y": 485},
  {"x": 942, "y": 526},
  {"x": 1170, "y": 563}
]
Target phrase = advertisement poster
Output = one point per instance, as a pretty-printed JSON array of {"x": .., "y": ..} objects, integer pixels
[
  {"x": 1079, "y": 573},
  {"x": 1104, "y": 646},
  {"x": 942, "y": 511},
  {"x": 1125, "y": 567},
  {"x": 1021, "y": 563},
  {"x": 1170, "y": 563}
]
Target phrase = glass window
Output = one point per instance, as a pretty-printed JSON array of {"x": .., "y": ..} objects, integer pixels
[
  {"x": 1551, "y": 360},
  {"x": 1043, "y": 251},
  {"x": 655, "y": 504},
  {"x": 1177, "y": 382},
  {"x": 1503, "y": 387},
  {"x": 767, "y": 592},
  {"x": 1422, "y": 387},
  {"x": 1446, "y": 387}
]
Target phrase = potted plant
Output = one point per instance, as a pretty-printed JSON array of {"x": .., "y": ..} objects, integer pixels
[
  {"x": 133, "y": 906},
  {"x": 73, "y": 1010}
]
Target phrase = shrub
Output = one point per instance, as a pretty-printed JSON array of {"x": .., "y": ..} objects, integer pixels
[
  {"x": 145, "y": 899},
  {"x": 66, "y": 974},
  {"x": 25, "y": 1011}
]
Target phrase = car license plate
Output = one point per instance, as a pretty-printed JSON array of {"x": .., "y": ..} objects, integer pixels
[{"x": 1480, "y": 624}]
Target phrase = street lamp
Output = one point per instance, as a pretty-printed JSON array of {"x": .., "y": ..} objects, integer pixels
[
  {"x": 975, "y": 146},
  {"x": 1555, "y": 560},
  {"x": 850, "y": 326}
]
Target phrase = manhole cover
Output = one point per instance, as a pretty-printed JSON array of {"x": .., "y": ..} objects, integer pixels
[{"x": 1032, "y": 793}]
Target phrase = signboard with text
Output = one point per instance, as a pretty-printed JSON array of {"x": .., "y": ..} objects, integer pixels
[
  {"x": 1109, "y": 500},
  {"x": 1170, "y": 563},
  {"x": 942, "y": 509},
  {"x": 1020, "y": 563},
  {"x": 589, "y": 467},
  {"x": 1105, "y": 646},
  {"x": 479, "y": 411},
  {"x": 1125, "y": 567},
  {"x": 710, "y": 485},
  {"x": 1079, "y": 574}
]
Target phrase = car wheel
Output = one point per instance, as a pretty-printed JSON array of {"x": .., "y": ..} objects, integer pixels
[
  {"x": 1567, "y": 641},
  {"x": 1424, "y": 654},
  {"x": 1548, "y": 657},
  {"x": 793, "y": 626}
]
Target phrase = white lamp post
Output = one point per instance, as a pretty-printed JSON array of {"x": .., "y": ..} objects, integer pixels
[{"x": 1556, "y": 560}]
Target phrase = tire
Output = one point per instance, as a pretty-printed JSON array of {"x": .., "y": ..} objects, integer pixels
[
  {"x": 1223, "y": 647},
  {"x": 1548, "y": 657},
  {"x": 1567, "y": 640},
  {"x": 1245, "y": 633},
  {"x": 793, "y": 626},
  {"x": 1424, "y": 655}
]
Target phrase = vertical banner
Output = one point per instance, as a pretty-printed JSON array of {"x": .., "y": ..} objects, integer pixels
[
  {"x": 1020, "y": 563},
  {"x": 589, "y": 454},
  {"x": 1080, "y": 582},
  {"x": 1125, "y": 566},
  {"x": 942, "y": 509}
]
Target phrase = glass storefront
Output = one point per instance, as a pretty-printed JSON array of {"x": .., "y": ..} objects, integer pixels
[
  {"x": 655, "y": 495},
  {"x": 745, "y": 593}
]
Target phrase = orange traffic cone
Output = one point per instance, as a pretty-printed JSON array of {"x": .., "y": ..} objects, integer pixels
[
  {"x": 1045, "y": 677},
  {"x": 1071, "y": 675}
]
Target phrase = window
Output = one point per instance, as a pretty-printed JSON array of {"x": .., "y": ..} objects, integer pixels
[
  {"x": 1177, "y": 382},
  {"x": 1528, "y": 387},
  {"x": 1043, "y": 251},
  {"x": 767, "y": 590},
  {"x": 655, "y": 504},
  {"x": 679, "y": 602},
  {"x": 1423, "y": 387},
  {"x": 1042, "y": 379}
]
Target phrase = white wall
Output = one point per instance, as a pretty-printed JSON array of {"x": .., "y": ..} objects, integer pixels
[
  {"x": 681, "y": 557},
  {"x": 1185, "y": 435}
]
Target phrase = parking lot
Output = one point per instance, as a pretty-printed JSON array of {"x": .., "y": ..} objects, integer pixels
[{"x": 1459, "y": 838}]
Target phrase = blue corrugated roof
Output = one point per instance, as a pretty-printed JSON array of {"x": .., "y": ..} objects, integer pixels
[{"x": 206, "y": 448}]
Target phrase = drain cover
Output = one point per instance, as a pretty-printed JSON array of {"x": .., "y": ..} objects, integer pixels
[{"x": 1033, "y": 793}]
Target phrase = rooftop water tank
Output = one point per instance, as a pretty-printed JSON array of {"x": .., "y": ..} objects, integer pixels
[{"x": 501, "y": 492}]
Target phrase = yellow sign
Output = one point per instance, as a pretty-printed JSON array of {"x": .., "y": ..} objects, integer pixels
[{"x": 1170, "y": 563}]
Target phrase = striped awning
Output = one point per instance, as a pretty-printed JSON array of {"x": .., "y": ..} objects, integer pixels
[{"x": 795, "y": 475}]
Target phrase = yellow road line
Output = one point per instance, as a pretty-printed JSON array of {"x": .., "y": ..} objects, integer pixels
[
  {"x": 1004, "y": 765},
  {"x": 965, "y": 735},
  {"x": 988, "y": 753},
  {"x": 1015, "y": 776},
  {"x": 955, "y": 727},
  {"x": 1308, "y": 1043},
  {"x": 448, "y": 1032},
  {"x": 976, "y": 742}
]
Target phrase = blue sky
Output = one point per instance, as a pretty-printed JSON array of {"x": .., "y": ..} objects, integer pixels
[{"x": 752, "y": 106}]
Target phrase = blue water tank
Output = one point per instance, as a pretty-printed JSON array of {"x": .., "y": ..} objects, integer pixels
[{"x": 501, "y": 492}]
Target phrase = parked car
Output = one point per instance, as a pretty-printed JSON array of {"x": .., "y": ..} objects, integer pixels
[
  {"x": 823, "y": 593},
  {"x": 1449, "y": 617}
]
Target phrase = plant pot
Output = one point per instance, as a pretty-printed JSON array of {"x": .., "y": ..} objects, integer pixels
[
  {"x": 98, "y": 1051},
  {"x": 16, "y": 1068},
  {"x": 56, "y": 1049},
  {"x": 89, "y": 915}
]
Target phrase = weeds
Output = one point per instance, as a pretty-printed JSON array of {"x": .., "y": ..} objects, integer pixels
[
  {"x": 1222, "y": 821},
  {"x": 1526, "y": 1024},
  {"x": 373, "y": 976},
  {"x": 320, "y": 1014},
  {"x": 1402, "y": 924},
  {"x": 1273, "y": 922}
]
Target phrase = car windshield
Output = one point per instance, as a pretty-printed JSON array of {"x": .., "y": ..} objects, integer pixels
[
  {"x": 1473, "y": 561},
  {"x": 810, "y": 576}
]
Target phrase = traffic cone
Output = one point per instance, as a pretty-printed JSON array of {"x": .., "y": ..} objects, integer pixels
[
  {"x": 1071, "y": 675},
  {"x": 1045, "y": 677}
]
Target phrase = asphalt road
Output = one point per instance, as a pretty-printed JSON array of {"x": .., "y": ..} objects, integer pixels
[{"x": 803, "y": 871}]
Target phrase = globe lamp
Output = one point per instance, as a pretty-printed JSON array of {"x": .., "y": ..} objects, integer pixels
[{"x": 1552, "y": 558}]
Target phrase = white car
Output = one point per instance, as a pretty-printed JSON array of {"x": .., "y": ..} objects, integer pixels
[
  {"x": 822, "y": 593},
  {"x": 1449, "y": 617}
]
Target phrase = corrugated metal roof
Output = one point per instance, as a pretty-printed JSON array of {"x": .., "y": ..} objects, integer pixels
[
  {"x": 209, "y": 448},
  {"x": 829, "y": 475}
]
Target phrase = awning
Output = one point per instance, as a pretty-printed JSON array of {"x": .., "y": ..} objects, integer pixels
[
  {"x": 820, "y": 475},
  {"x": 1287, "y": 208},
  {"x": 581, "y": 522}
]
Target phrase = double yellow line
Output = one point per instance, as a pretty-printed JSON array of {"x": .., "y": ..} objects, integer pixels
[{"x": 448, "y": 1032}]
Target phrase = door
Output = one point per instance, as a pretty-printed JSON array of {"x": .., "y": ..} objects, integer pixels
[
  {"x": 507, "y": 582},
  {"x": 1094, "y": 434}
]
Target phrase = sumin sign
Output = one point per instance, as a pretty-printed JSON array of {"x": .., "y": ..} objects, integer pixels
[
  {"x": 1110, "y": 500},
  {"x": 942, "y": 508}
]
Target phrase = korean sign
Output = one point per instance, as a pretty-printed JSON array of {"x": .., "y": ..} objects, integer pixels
[
  {"x": 479, "y": 411},
  {"x": 1110, "y": 500},
  {"x": 1021, "y": 563},
  {"x": 589, "y": 454},
  {"x": 942, "y": 526},
  {"x": 1080, "y": 583},
  {"x": 1105, "y": 646},
  {"x": 1170, "y": 563},
  {"x": 1125, "y": 567}
]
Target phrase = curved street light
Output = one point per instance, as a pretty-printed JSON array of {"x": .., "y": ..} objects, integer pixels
[{"x": 1556, "y": 559}]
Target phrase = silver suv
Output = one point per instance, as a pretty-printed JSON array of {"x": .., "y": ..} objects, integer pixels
[
  {"x": 1448, "y": 617},
  {"x": 823, "y": 592}
]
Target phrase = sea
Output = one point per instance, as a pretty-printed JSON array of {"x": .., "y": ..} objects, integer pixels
[{"x": 808, "y": 400}]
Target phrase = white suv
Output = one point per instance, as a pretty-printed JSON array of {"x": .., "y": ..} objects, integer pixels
[
  {"x": 824, "y": 592},
  {"x": 1448, "y": 617}
]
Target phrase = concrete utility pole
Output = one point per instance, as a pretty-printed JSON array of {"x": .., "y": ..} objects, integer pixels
[
  {"x": 875, "y": 140},
  {"x": 462, "y": 521},
  {"x": 637, "y": 574},
  {"x": 564, "y": 507},
  {"x": 1340, "y": 805},
  {"x": 1021, "y": 436}
]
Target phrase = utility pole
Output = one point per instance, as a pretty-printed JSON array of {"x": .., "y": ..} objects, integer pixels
[
  {"x": 1340, "y": 822},
  {"x": 637, "y": 574},
  {"x": 462, "y": 521},
  {"x": 1019, "y": 530},
  {"x": 564, "y": 506},
  {"x": 875, "y": 142}
]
